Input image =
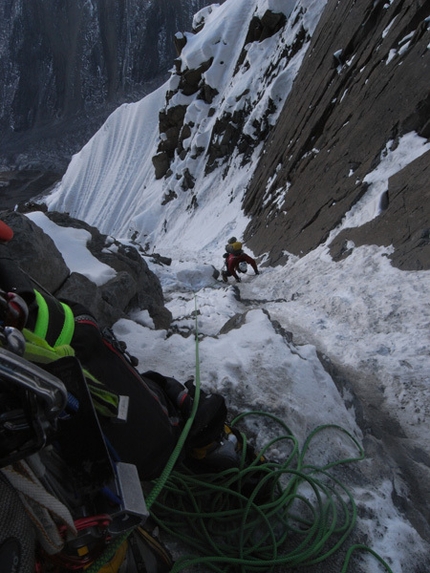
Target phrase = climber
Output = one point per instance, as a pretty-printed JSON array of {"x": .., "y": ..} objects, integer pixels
[{"x": 237, "y": 261}]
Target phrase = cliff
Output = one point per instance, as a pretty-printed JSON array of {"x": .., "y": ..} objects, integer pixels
[
  {"x": 66, "y": 66},
  {"x": 361, "y": 88}
]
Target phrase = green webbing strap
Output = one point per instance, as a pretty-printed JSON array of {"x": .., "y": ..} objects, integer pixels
[
  {"x": 37, "y": 350},
  {"x": 105, "y": 402},
  {"x": 68, "y": 329},
  {"x": 43, "y": 321}
]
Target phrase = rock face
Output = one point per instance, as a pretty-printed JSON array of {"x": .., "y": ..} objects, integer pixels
[
  {"x": 134, "y": 287},
  {"x": 363, "y": 85},
  {"x": 229, "y": 131},
  {"x": 65, "y": 66}
]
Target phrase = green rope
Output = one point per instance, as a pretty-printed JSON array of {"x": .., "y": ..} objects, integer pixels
[
  {"x": 161, "y": 481},
  {"x": 295, "y": 514},
  {"x": 305, "y": 515}
]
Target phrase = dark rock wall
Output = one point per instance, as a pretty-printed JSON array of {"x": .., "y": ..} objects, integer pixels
[
  {"x": 364, "y": 81},
  {"x": 229, "y": 133}
]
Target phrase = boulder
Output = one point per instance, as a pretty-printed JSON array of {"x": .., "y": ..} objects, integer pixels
[
  {"x": 134, "y": 287},
  {"x": 36, "y": 252}
]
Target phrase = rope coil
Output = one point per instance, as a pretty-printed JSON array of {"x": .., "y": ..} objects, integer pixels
[{"x": 306, "y": 516}]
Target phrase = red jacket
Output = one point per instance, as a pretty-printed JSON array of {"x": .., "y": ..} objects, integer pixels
[{"x": 234, "y": 260}]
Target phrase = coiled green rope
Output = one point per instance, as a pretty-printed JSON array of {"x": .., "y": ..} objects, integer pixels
[
  {"x": 305, "y": 515},
  {"x": 292, "y": 514}
]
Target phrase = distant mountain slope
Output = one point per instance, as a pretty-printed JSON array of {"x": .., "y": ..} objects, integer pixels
[{"x": 65, "y": 66}]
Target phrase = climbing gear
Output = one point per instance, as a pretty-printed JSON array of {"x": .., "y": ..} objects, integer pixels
[
  {"x": 233, "y": 248},
  {"x": 147, "y": 553},
  {"x": 103, "y": 494},
  {"x": 305, "y": 516},
  {"x": 55, "y": 320},
  {"x": 242, "y": 267},
  {"x": 12, "y": 339},
  {"x": 17, "y": 534},
  {"x": 230, "y": 451},
  {"x": 219, "y": 455},
  {"x": 13, "y": 310},
  {"x": 61, "y": 464},
  {"x": 51, "y": 404},
  {"x": 78, "y": 469},
  {"x": 177, "y": 393},
  {"x": 31, "y": 401},
  {"x": 107, "y": 403}
]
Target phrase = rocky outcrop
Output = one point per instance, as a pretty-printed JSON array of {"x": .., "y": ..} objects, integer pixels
[
  {"x": 228, "y": 134},
  {"x": 362, "y": 86},
  {"x": 133, "y": 288},
  {"x": 404, "y": 223}
]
